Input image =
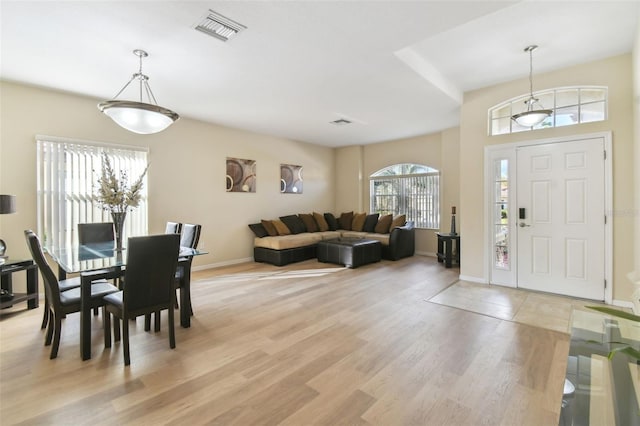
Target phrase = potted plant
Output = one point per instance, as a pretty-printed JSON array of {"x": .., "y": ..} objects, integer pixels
[{"x": 117, "y": 195}]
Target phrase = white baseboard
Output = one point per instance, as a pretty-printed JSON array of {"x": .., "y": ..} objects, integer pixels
[
  {"x": 622, "y": 303},
  {"x": 473, "y": 279},
  {"x": 425, "y": 253},
  {"x": 221, "y": 264}
]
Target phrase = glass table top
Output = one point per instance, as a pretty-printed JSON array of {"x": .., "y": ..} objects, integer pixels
[{"x": 602, "y": 385}]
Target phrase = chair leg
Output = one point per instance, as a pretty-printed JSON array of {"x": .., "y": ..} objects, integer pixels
[
  {"x": 147, "y": 322},
  {"x": 116, "y": 328},
  {"x": 156, "y": 325},
  {"x": 56, "y": 336},
  {"x": 106, "y": 319},
  {"x": 95, "y": 311},
  {"x": 49, "y": 336},
  {"x": 172, "y": 331},
  {"x": 125, "y": 337},
  {"x": 45, "y": 315}
]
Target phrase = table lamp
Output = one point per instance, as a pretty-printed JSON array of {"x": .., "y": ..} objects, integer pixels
[{"x": 7, "y": 206}]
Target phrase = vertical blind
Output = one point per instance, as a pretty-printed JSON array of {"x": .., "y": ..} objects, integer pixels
[
  {"x": 67, "y": 176},
  {"x": 417, "y": 196}
]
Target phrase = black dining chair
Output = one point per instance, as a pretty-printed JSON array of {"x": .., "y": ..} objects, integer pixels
[
  {"x": 149, "y": 277},
  {"x": 61, "y": 302},
  {"x": 173, "y": 228}
]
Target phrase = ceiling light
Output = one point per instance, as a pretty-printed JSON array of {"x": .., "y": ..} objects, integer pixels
[
  {"x": 531, "y": 116},
  {"x": 219, "y": 26},
  {"x": 340, "y": 122},
  {"x": 139, "y": 117}
]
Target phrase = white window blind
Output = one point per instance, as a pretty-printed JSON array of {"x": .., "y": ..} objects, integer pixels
[
  {"x": 67, "y": 176},
  {"x": 410, "y": 189}
]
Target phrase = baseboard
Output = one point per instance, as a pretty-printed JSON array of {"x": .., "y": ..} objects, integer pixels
[
  {"x": 473, "y": 279},
  {"x": 622, "y": 304},
  {"x": 221, "y": 264},
  {"x": 425, "y": 253}
]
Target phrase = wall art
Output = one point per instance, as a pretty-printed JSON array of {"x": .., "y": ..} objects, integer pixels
[
  {"x": 290, "y": 179},
  {"x": 241, "y": 175}
]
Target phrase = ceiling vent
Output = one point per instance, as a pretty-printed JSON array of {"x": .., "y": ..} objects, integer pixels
[
  {"x": 219, "y": 26},
  {"x": 341, "y": 122}
]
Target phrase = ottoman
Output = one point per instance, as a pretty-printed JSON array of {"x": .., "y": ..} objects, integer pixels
[{"x": 351, "y": 252}]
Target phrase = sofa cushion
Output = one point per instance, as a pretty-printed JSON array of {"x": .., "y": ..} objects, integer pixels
[
  {"x": 358, "y": 221},
  {"x": 309, "y": 222},
  {"x": 283, "y": 242},
  {"x": 383, "y": 238},
  {"x": 328, "y": 235},
  {"x": 258, "y": 229},
  {"x": 382, "y": 227},
  {"x": 320, "y": 220},
  {"x": 268, "y": 225},
  {"x": 331, "y": 221},
  {"x": 352, "y": 234},
  {"x": 397, "y": 221},
  {"x": 294, "y": 223},
  {"x": 370, "y": 222},
  {"x": 281, "y": 227},
  {"x": 345, "y": 220}
]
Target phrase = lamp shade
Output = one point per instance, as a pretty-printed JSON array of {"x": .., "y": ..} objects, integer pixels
[
  {"x": 7, "y": 204},
  {"x": 138, "y": 117},
  {"x": 531, "y": 118}
]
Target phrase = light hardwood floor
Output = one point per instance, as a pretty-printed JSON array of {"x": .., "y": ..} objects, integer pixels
[{"x": 310, "y": 343}]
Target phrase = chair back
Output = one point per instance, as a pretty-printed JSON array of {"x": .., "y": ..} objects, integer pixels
[
  {"x": 173, "y": 228},
  {"x": 95, "y": 233},
  {"x": 190, "y": 235},
  {"x": 51, "y": 288},
  {"x": 149, "y": 276}
]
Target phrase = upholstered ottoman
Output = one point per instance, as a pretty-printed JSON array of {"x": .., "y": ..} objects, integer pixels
[{"x": 351, "y": 252}]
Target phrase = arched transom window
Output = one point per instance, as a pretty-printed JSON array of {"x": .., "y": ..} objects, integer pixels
[{"x": 410, "y": 189}]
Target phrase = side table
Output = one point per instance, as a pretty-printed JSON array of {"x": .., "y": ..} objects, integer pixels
[
  {"x": 31, "y": 296},
  {"x": 448, "y": 249}
]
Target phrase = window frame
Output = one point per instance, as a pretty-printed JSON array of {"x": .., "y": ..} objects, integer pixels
[{"x": 431, "y": 211}]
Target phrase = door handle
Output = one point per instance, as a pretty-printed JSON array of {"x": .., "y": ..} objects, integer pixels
[{"x": 522, "y": 225}]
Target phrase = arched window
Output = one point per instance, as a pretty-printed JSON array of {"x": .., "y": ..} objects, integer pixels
[
  {"x": 410, "y": 189},
  {"x": 570, "y": 105}
]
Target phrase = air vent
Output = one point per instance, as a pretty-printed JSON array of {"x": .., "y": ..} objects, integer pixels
[
  {"x": 219, "y": 26},
  {"x": 341, "y": 122}
]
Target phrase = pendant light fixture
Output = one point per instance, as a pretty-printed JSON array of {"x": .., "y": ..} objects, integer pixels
[
  {"x": 139, "y": 117},
  {"x": 531, "y": 116}
]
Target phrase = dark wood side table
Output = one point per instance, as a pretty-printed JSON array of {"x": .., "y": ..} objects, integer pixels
[
  {"x": 31, "y": 296},
  {"x": 448, "y": 249}
]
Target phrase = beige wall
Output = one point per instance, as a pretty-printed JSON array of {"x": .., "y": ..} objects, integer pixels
[
  {"x": 186, "y": 173},
  {"x": 613, "y": 72},
  {"x": 355, "y": 164}
]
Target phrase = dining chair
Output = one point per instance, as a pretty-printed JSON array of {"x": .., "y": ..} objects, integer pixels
[
  {"x": 61, "y": 302},
  {"x": 190, "y": 238},
  {"x": 150, "y": 272},
  {"x": 173, "y": 228}
]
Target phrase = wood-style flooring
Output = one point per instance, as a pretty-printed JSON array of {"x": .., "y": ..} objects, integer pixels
[{"x": 305, "y": 344}]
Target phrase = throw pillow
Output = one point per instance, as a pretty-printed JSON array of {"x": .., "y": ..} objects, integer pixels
[
  {"x": 258, "y": 229},
  {"x": 331, "y": 220},
  {"x": 370, "y": 222},
  {"x": 320, "y": 220},
  {"x": 294, "y": 223},
  {"x": 344, "y": 221},
  {"x": 358, "y": 221},
  {"x": 281, "y": 227},
  {"x": 268, "y": 225},
  {"x": 400, "y": 220},
  {"x": 309, "y": 222},
  {"x": 383, "y": 224}
]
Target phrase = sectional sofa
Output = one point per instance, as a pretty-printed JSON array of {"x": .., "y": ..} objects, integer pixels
[{"x": 294, "y": 238}]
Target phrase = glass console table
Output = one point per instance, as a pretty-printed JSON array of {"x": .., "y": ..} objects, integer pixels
[{"x": 598, "y": 390}]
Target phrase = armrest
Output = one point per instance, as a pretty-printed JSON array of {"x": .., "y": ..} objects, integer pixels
[{"x": 402, "y": 241}]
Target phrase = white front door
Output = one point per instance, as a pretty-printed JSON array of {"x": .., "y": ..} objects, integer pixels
[{"x": 561, "y": 218}]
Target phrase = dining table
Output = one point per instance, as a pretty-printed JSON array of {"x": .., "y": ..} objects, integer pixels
[{"x": 103, "y": 260}]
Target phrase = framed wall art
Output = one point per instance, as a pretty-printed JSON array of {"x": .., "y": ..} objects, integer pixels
[
  {"x": 290, "y": 179},
  {"x": 241, "y": 175}
]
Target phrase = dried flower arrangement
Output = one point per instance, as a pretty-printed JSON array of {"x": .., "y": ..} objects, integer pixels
[{"x": 116, "y": 195}]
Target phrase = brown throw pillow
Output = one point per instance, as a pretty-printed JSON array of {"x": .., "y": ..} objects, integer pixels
[
  {"x": 357, "y": 224},
  {"x": 281, "y": 227},
  {"x": 345, "y": 220},
  {"x": 309, "y": 222},
  {"x": 268, "y": 225},
  {"x": 382, "y": 227},
  {"x": 322, "y": 223},
  {"x": 400, "y": 220}
]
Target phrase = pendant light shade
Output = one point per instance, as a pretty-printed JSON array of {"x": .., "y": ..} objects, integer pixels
[
  {"x": 139, "y": 117},
  {"x": 535, "y": 113}
]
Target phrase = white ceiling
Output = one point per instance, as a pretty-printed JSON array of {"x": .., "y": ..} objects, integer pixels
[{"x": 395, "y": 68}]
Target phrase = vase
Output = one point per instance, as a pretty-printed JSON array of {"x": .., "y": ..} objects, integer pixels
[{"x": 118, "y": 223}]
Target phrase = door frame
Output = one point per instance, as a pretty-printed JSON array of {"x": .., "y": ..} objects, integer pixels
[{"x": 508, "y": 150}]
